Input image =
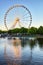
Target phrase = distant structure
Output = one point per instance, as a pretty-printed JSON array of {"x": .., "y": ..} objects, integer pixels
[{"x": 25, "y": 20}]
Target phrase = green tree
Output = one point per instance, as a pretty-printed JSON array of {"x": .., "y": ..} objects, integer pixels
[
  {"x": 32, "y": 30},
  {"x": 40, "y": 30},
  {"x": 23, "y": 30}
]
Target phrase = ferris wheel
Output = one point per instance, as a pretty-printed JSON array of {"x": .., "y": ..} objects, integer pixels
[{"x": 17, "y": 16}]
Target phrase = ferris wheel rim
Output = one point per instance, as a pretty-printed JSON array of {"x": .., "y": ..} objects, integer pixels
[{"x": 17, "y": 5}]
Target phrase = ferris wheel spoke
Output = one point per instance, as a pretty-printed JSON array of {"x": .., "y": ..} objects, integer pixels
[
  {"x": 16, "y": 13},
  {"x": 25, "y": 17},
  {"x": 26, "y": 14},
  {"x": 20, "y": 24},
  {"x": 25, "y": 20},
  {"x": 23, "y": 24}
]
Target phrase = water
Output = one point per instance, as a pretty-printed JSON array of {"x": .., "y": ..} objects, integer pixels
[{"x": 23, "y": 51}]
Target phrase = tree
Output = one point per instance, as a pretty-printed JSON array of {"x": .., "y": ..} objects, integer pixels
[
  {"x": 40, "y": 30},
  {"x": 32, "y": 30},
  {"x": 23, "y": 30}
]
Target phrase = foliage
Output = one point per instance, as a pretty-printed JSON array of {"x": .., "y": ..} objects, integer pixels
[
  {"x": 40, "y": 30},
  {"x": 31, "y": 31}
]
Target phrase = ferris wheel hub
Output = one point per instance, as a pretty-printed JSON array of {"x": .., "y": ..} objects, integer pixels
[{"x": 17, "y": 19}]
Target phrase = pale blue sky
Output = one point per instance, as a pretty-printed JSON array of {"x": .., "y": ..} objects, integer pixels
[{"x": 35, "y": 7}]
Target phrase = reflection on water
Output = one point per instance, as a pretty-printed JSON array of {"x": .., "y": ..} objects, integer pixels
[
  {"x": 13, "y": 52},
  {"x": 16, "y": 48},
  {"x": 21, "y": 51}
]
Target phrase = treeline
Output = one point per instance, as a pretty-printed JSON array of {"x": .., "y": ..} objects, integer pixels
[
  {"x": 32, "y": 30},
  {"x": 3, "y": 31}
]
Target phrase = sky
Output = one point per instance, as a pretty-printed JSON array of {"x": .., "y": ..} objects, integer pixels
[{"x": 35, "y": 7}]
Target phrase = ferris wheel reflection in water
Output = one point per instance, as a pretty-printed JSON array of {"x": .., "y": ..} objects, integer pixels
[{"x": 13, "y": 52}]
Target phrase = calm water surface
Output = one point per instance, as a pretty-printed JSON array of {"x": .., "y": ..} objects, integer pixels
[{"x": 23, "y": 51}]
